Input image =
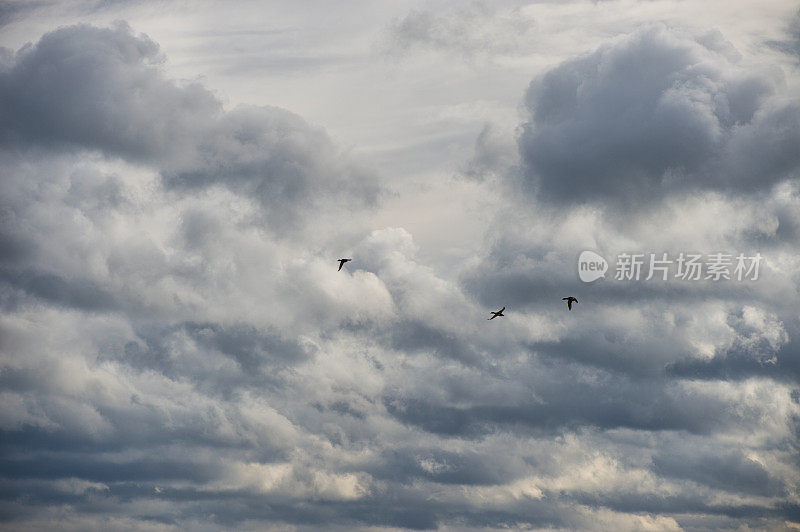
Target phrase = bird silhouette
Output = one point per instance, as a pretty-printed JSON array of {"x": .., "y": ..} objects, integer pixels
[
  {"x": 498, "y": 313},
  {"x": 341, "y": 263},
  {"x": 569, "y": 301}
]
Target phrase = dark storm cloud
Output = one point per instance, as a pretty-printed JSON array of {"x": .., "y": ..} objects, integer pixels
[
  {"x": 83, "y": 87},
  {"x": 245, "y": 344},
  {"x": 644, "y": 405},
  {"x": 654, "y": 113},
  {"x": 260, "y": 358},
  {"x": 13, "y": 248},
  {"x": 738, "y": 364},
  {"x": 686, "y": 508},
  {"x": 436, "y": 465},
  {"x": 415, "y": 336},
  {"x": 94, "y": 87},
  {"x": 99, "y": 470},
  {"x": 729, "y": 471},
  {"x": 75, "y": 293}
]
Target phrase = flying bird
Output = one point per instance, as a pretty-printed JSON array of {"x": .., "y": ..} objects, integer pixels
[
  {"x": 341, "y": 263},
  {"x": 569, "y": 301},
  {"x": 498, "y": 313}
]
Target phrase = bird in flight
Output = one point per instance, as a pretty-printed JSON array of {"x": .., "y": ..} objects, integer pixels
[
  {"x": 569, "y": 301},
  {"x": 498, "y": 313},
  {"x": 341, "y": 263}
]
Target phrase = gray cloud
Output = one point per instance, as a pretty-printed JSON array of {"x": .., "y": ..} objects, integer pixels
[
  {"x": 555, "y": 409},
  {"x": 469, "y": 31},
  {"x": 14, "y": 9},
  {"x": 494, "y": 156},
  {"x": 790, "y": 44},
  {"x": 656, "y": 113},
  {"x": 730, "y": 471},
  {"x": 101, "y": 89},
  {"x": 178, "y": 351},
  {"x": 73, "y": 293}
]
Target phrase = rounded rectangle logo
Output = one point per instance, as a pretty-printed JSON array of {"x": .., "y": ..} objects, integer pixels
[{"x": 591, "y": 266}]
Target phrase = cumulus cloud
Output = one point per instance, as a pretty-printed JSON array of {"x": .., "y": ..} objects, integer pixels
[
  {"x": 178, "y": 349},
  {"x": 653, "y": 143},
  {"x": 101, "y": 89},
  {"x": 653, "y": 113}
]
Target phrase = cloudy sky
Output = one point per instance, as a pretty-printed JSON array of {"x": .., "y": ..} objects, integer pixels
[{"x": 179, "y": 352}]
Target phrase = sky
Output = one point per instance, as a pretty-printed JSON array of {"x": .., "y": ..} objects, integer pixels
[{"x": 179, "y": 352}]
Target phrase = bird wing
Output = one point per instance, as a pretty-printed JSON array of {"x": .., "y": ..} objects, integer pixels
[{"x": 502, "y": 309}]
